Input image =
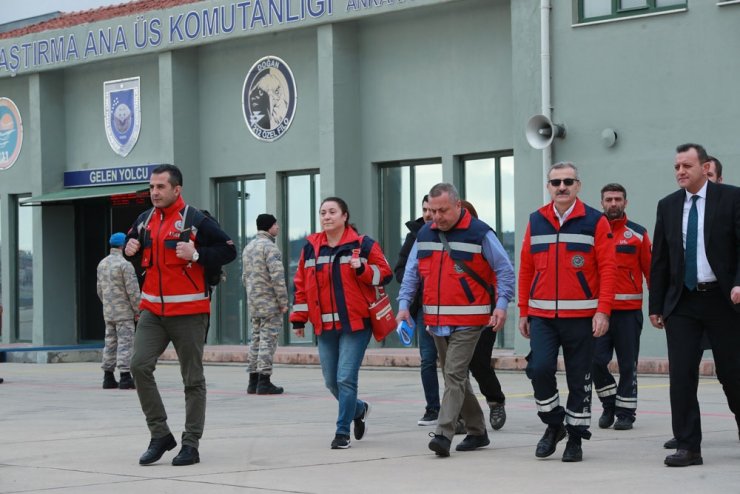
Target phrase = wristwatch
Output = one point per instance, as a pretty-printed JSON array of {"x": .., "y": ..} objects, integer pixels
[{"x": 196, "y": 256}]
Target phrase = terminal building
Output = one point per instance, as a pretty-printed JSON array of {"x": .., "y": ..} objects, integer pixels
[{"x": 271, "y": 105}]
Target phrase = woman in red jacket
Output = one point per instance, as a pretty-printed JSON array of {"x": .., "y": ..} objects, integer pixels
[{"x": 338, "y": 273}]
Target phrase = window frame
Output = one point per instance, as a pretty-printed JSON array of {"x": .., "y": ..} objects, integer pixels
[{"x": 624, "y": 13}]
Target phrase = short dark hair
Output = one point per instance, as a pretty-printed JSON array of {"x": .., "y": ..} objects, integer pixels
[
  {"x": 700, "y": 151},
  {"x": 613, "y": 187},
  {"x": 175, "y": 174},
  {"x": 717, "y": 165},
  {"x": 425, "y": 199}
]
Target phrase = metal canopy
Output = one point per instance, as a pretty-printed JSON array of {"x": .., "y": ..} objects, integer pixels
[{"x": 66, "y": 196}]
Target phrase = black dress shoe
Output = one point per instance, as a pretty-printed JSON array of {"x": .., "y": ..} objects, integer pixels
[
  {"x": 573, "y": 451},
  {"x": 683, "y": 458},
  {"x": 672, "y": 443},
  {"x": 552, "y": 436},
  {"x": 157, "y": 447},
  {"x": 188, "y": 455},
  {"x": 607, "y": 419},
  {"x": 472, "y": 442},
  {"x": 623, "y": 424},
  {"x": 439, "y": 444}
]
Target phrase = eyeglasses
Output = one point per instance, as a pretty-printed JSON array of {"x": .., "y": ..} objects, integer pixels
[{"x": 555, "y": 182}]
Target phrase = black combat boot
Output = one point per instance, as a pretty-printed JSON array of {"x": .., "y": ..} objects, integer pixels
[
  {"x": 127, "y": 382},
  {"x": 109, "y": 380},
  {"x": 265, "y": 387},
  {"x": 252, "y": 386}
]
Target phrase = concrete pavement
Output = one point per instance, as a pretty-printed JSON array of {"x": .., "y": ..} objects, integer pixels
[{"x": 62, "y": 433}]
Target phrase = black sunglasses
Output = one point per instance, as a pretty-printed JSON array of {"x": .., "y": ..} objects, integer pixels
[{"x": 555, "y": 182}]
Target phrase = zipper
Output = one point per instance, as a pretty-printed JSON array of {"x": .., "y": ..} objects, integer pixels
[
  {"x": 557, "y": 270},
  {"x": 439, "y": 285},
  {"x": 159, "y": 269},
  {"x": 634, "y": 284},
  {"x": 185, "y": 272}
]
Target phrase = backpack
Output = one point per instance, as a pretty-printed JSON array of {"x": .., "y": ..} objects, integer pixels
[{"x": 193, "y": 218}]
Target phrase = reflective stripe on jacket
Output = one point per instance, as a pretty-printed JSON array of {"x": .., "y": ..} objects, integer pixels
[
  {"x": 568, "y": 270},
  {"x": 632, "y": 246},
  {"x": 451, "y": 297},
  {"x": 328, "y": 291}
]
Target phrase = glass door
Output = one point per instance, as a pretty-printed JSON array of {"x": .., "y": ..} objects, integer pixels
[{"x": 238, "y": 203}]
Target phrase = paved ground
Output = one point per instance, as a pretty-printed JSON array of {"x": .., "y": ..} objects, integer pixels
[{"x": 62, "y": 433}]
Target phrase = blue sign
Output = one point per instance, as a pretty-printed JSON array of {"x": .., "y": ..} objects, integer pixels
[
  {"x": 122, "y": 114},
  {"x": 11, "y": 133},
  {"x": 108, "y": 176}
]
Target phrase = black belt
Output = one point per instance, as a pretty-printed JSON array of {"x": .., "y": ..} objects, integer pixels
[{"x": 708, "y": 286}]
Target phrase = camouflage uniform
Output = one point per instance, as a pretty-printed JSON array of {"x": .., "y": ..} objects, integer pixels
[
  {"x": 118, "y": 289},
  {"x": 267, "y": 296}
]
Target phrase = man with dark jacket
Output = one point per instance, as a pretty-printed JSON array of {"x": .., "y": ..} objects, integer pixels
[
  {"x": 175, "y": 307},
  {"x": 427, "y": 350}
]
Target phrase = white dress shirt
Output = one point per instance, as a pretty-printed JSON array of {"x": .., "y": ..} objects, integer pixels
[{"x": 703, "y": 269}]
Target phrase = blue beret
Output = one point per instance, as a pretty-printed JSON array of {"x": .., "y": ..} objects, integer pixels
[{"x": 117, "y": 239}]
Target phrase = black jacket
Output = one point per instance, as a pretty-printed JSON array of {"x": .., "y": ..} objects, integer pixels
[
  {"x": 403, "y": 256},
  {"x": 721, "y": 241}
]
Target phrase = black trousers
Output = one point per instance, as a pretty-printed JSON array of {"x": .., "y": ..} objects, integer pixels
[
  {"x": 700, "y": 313},
  {"x": 480, "y": 367}
]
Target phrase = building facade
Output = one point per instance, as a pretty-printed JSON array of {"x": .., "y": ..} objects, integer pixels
[{"x": 270, "y": 105}]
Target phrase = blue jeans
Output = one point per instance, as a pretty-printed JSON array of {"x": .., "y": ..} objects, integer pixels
[
  {"x": 341, "y": 354},
  {"x": 428, "y": 353}
]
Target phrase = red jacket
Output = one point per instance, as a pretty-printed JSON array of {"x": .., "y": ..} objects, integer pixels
[
  {"x": 330, "y": 293},
  {"x": 174, "y": 286},
  {"x": 569, "y": 270},
  {"x": 451, "y": 297},
  {"x": 633, "y": 262}
]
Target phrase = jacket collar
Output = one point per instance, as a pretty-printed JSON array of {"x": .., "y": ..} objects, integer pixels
[
  {"x": 264, "y": 234},
  {"x": 618, "y": 223},
  {"x": 173, "y": 208},
  {"x": 548, "y": 211},
  {"x": 463, "y": 222}
]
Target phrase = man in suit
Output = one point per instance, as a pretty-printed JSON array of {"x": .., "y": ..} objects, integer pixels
[{"x": 695, "y": 289}]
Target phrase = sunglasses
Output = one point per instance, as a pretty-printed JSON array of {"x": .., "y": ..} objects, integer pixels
[{"x": 555, "y": 182}]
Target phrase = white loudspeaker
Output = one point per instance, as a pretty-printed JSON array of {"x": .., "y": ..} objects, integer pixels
[{"x": 541, "y": 131}]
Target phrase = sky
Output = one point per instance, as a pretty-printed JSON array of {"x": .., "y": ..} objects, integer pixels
[{"x": 13, "y": 10}]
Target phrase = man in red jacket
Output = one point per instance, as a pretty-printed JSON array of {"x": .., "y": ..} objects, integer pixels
[
  {"x": 566, "y": 288},
  {"x": 175, "y": 307},
  {"x": 632, "y": 246}
]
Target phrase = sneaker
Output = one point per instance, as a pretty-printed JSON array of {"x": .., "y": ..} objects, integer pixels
[
  {"x": 439, "y": 444},
  {"x": 623, "y": 424},
  {"x": 472, "y": 442},
  {"x": 360, "y": 426},
  {"x": 340, "y": 441},
  {"x": 430, "y": 418},
  {"x": 607, "y": 419},
  {"x": 497, "y": 416}
]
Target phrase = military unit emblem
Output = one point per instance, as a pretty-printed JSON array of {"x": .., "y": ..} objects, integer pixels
[
  {"x": 122, "y": 114},
  {"x": 11, "y": 133},
  {"x": 269, "y": 98},
  {"x": 578, "y": 261}
]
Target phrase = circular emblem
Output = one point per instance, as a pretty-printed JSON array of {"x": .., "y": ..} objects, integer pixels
[
  {"x": 178, "y": 225},
  {"x": 578, "y": 261},
  {"x": 458, "y": 269},
  {"x": 627, "y": 234},
  {"x": 269, "y": 98},
  {"x": 11, "y": 133}
]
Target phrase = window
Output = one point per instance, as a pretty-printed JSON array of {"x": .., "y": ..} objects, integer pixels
[
  {"x": 302, "y": 193},
  {"x": 24, "y": 276},
  {"x": 488, "y": 184},
  {"x": 402, "y": 187},
  {"x": 594, "y": 10},
  {"x": 238, "y": 203}
]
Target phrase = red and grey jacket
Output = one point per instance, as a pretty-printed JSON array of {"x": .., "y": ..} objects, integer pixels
[
  {"x": 328, "y": 291},
  {"x": 451, "y": 297},
  {"x": 174, "y": 286},
  {"x": 568, "y": 270},
  {"x": 633, "y": 262}
]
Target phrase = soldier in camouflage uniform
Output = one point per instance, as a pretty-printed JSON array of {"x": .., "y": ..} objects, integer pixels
[
  {"x": 118, "y": 289},
  {"x": 267, "y": 296}
]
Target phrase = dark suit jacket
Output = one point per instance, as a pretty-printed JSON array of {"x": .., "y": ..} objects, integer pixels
[{"x": 721, "y": 242}]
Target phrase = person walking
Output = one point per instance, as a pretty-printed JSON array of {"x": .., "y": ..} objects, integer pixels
[
  {"x": 175, "y": 307},
  {"x": 566, "y": 289},
  {"x": 267, "y": 299},
  {"x": 427, "y": 350},
  {"x": 338, "y": 275},
  {"x": 632, "y": 250},
  {"x": 118, "y": 290},
  {"x": 468, "y": 281},
  {"x": 695, "y": 289}
]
